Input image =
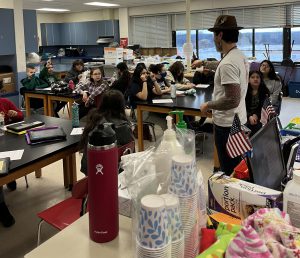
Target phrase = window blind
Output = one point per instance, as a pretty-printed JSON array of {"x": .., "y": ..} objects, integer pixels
[
  {"x": 260, "y": 17},
  {"x": 151, "y": 31},
  {"x": 295, "y": 15},
  {"x": 199, "y": 20}
]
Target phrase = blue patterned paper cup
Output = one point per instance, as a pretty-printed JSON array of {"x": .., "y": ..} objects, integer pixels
[
  {"x": 153, "y": 222},
  {"x": 183, "y": 175},
  {"x": 174, "y": 219}
]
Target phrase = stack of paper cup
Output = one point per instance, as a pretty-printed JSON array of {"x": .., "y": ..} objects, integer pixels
[
  {"x": 184, "y": 184},
  {"x": 175, "y": 225},
  {"x": 153, "y": 236}
]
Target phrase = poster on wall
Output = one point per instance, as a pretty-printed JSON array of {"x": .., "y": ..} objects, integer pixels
[{"x": 123, "y": 42}]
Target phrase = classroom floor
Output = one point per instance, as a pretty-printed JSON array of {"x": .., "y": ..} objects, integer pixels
[{"x": 25, "y": 203}]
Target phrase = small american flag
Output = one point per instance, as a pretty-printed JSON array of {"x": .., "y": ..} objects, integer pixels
[
  {"x": 267, "y": 112},
  {"x": 238, "y": 143}
]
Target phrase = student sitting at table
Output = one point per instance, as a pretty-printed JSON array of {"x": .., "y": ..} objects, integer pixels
[
  {"x": 141, "y": 88},
  {"x": 123, "y": 81},
  {"x": 75, "y": 73},
  {"x": 160, "y": 75},
  {"x": 111, "y": 110},
  {"x": 176, "y": 74},
  {"x": 47, "y": 74},
  {"x": 256, "y": 94},
  {"x": 32, "y": 82},
  {"x": 91, "y": 90},
  {"x": 11, "y": 115}
]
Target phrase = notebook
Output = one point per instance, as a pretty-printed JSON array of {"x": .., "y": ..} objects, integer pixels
[
  {"x": 19, "y": 127},
  {"x": 45, "y": 134}
]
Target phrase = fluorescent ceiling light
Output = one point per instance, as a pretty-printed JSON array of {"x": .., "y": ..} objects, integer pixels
[
  {"x": 101, "y": 4},
  {"x": 52, "y": 10}
]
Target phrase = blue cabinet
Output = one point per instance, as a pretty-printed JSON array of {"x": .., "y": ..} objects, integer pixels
[
  {"x": 78, "y": 33},
  {"x": 109, "y": 28},
  {"x": 101, "y": 28},
  {"x": 65, "y": 34},
  {"x": 56, "y": 33},
  {"x": 92, "y": 32},
  {"x": 30, "y": 31},
  {"x": 73, "y": 33},
  {"x": 81, "y": 33},
  {"x": 7, "y": 32},
  {"x": 116, "y": 31}
]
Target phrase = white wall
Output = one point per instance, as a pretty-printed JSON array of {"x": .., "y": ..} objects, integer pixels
[
  {"x": 7, "y": 4},
  {"x": 124, "y": 22}
]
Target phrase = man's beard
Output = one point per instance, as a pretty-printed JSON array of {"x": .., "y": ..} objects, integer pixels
[{"x": 218, "y": 47}]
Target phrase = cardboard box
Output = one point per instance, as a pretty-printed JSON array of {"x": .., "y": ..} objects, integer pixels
[
  {"x": 239, "y": 198},
  {"x": 113, "y": 61},
  {"x": 8, "y": 83},
  {"x": 112, "y": 52},
  {"x": 128, "y": 54},
  {"x": 8, "y": 88}
]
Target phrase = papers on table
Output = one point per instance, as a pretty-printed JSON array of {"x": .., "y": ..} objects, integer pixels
[
  {"x": 48, "y": 88},
  {"x": 162, "y": 101},
  {"x": 202, "y": 86},
  {"x": 13, "y": 155},
  {"x": 180, "y": 93},
  {"x": 77, "y": 131}
]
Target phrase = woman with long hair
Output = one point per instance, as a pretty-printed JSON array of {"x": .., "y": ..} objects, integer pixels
[
  {"x": 272, "y": 81},
  {"x": 140, "y": 88},
  {"x": 176, "y": 75},
  {"x": 256, "y": 94},
  {"x": 123, "y": 81},
  {"x": 111, "y": 110},
  {"x": 91, "y": 90}
]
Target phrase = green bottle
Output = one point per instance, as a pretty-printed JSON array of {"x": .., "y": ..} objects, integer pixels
[{"x": 181, "y": 123}]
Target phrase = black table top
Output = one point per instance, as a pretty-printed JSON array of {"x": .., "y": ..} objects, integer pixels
[
  {"x": 33, "y": 153},
  {"x": 185, "y": 101}
]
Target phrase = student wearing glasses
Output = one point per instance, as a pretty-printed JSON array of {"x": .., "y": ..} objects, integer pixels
[
  {"x": 91, "y": 90},
  {"x": 272, "y": 81}
]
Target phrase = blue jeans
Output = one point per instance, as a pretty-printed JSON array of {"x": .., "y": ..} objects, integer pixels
[{"x": 227, "y": 164}]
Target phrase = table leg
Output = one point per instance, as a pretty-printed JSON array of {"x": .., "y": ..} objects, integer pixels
[
  {"x": 45, "y": 103},
  {"x": 140, "y": 129},
  {"x": 50, "y": 107},
  {"x": 27, "y": 105},
  {"x": 70, "y": 172},
  {"x": 66, "y": 168},
  {"x": 70, "y": 103},
  {"x": 38, "y": 173}
]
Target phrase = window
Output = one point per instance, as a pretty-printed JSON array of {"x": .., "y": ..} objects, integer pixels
[
  {"x": 295, "y": 36},
  {"x": 269, "y": 40},
  {"x": 245, "y": 42},
  {"x": 206, "y": 45},
  {"x": 181, "y": 39}
]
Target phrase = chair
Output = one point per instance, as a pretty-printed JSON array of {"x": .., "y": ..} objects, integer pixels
[
  {"x": 149, "y": 124},
  {"x": 67, "y": 211}
]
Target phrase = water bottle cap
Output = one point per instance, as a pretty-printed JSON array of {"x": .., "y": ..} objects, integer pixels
[{"x": 103, "y": 135}]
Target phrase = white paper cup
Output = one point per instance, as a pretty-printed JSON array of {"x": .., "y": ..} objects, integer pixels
[
  {"x": 183, "y": 175},
  {"x": 153, "y": 222},
  {"x": 174, "y": 219}
]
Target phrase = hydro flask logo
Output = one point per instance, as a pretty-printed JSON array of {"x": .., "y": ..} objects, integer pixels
[{"x": 99, "y": 168}]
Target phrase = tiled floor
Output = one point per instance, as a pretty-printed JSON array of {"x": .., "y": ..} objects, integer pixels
[{"x": 25, "y": 203}]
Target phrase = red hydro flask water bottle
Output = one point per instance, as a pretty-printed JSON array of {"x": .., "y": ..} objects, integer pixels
[{"x": 102, "y": 157}]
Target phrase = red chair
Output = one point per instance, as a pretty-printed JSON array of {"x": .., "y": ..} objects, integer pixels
[{"x": 67, "y": 211}]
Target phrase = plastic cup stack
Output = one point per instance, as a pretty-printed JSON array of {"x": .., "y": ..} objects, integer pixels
[
  {"x": 175, "y": 225},
  {"x": 184, "y": 184},
  {"x": 153, "y": 236}
]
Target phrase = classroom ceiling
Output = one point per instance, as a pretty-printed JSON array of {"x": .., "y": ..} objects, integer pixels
[{"x": 78, "y": 6}]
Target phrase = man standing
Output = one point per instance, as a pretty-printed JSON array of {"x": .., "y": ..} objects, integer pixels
[{"x": 230, "y": 87}]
